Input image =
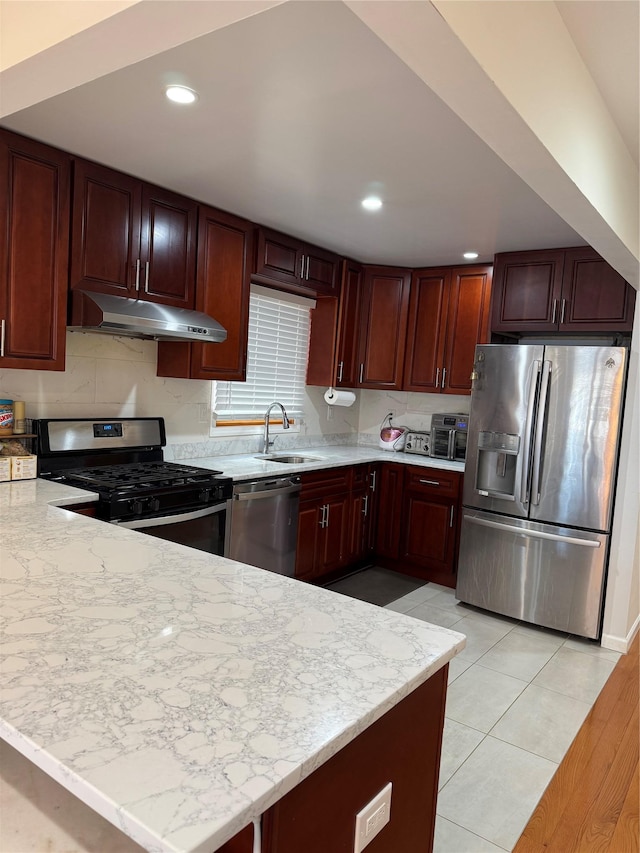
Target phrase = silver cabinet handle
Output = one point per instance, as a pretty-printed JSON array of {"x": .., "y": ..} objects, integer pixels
[
  {"x": 555, "y": 311},
  {"x": 323, "y": 510},
  {"x": 146, "y": 277},
  {"x": 564, "y": 305},
  {"x": 137, "y": 285},
  {"x": 302, "y": 267},
  {"x": 2, "y": 335},
  {"x": 306, "y": 275},
  {"x": 361, "y": 373},
  {"x": 372, "y": 485},
  {"x": 340, "y": 369},
  {"x": 451, "y": 517},
  {"x": 444, "y": 376},
  {"x": 430, "y": 482},
  {"x": 365, "y": 505},
  {"x": 437, "y": 377}
]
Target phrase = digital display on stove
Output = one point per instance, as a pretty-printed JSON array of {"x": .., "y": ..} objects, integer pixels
[{"x": 111, "y": 430}]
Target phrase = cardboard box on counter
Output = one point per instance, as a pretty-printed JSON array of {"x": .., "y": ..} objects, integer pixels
[
  {"x": 5, "y": 468},
  {"x": 24, "y": 467}
]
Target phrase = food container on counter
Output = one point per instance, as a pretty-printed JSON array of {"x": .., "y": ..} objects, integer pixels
[{"x": 6, "y": 417}]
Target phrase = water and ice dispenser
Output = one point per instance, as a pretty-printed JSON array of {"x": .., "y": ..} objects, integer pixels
[{"x": 497, "y": 464}]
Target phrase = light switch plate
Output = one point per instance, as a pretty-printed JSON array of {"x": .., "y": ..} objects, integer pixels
[{"x": 372, "y": 818}]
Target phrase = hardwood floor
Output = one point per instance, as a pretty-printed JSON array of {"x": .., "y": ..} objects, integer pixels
[{"x": 591, "y": 804}]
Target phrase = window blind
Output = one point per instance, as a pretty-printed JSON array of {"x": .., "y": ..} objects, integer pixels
[{"x": 278, "y": 349}]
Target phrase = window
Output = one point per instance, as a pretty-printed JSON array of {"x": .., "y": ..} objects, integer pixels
[{"x": 278, "y": 349}]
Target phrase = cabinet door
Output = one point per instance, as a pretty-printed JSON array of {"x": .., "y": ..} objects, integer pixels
[
  {"x": 225, "y": 249},
  {"x": 594, "y": 296},
  {"x": 34, "y": 253},
  {"x": 527, "y": 287},
  {"x": 309, "y": 519},
  {"x": 358, "y": 508},
  {"x": 430, "y": 531},
  {"x": 321, "y": 270},
  {"x": 168, "y": 247},
  {"x": 467, "y": 325},
  {"x": 279, "y": 257},
  {"x": 349, "y": 317},
  {"x": 383, "y": 327},
  {"x": 334, "y": 534},
  {"x": 322, "y": 341},
  {"x": 426, "y": 329},
  {"x": 105, "y": 230},
  {"x": 389, "y": 510}
]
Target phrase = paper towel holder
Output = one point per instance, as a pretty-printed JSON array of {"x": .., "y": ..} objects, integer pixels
[{"x": 335, "y": 397}]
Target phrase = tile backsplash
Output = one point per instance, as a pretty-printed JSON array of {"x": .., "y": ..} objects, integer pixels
[{"x": 109, "y": 376}]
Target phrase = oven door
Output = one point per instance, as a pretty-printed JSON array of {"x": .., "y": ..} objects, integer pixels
[{"x": 204, "y": 529}]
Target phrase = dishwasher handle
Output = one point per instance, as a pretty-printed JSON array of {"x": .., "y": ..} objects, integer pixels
[{"x": 261, "y": 490}]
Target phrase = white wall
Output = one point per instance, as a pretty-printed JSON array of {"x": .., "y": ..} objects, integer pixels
[{"x": 622, "y": 605}]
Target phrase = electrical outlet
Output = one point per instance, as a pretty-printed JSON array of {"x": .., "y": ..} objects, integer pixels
[{"x": 372, "y": 818}]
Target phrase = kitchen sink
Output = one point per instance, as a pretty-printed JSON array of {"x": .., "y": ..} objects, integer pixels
[{"x": 289, "y": 460}]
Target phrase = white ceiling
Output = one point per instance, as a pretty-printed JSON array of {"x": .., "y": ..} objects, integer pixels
[{"x": 303, "y": 111}]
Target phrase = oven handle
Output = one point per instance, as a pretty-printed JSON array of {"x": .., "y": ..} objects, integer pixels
[{"x": 172, "y": 519}]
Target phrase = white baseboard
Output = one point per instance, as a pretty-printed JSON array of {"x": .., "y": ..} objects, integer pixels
[{"x": 620, "y": 644}]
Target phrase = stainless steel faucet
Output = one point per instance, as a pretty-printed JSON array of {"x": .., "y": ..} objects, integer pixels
[{"x": 285, "y": 425}]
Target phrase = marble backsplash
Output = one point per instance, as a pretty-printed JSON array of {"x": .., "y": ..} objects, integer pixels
[{"x": 108, "y": 376}]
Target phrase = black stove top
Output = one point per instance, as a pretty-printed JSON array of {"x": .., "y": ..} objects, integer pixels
[{"x": 138, "y": 475}]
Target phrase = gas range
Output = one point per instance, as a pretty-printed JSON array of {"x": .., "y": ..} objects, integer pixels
[{"x": 121, "y": 460}]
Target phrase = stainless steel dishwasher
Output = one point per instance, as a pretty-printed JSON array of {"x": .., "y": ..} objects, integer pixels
[{"x": 264, "y": 523}]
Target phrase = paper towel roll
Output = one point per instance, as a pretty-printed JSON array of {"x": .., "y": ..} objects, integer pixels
[{"x": 333, "y": 397}]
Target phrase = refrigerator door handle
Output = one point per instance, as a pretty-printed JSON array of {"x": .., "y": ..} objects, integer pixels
[
  {"x": 534, "y": 374},
  {"x": 540, "y": 421},
  {"x": 534, "y": 534}
]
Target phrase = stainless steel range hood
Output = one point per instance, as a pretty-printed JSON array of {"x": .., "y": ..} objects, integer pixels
[{"x": 136, "y": 318}]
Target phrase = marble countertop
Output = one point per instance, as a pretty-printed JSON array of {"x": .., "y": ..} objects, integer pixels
[
  {"x": 179, "y": 694},
  {"x": 248, "y": 466}
]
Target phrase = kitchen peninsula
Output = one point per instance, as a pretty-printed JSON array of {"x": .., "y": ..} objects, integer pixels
[{"x": 182, "y": 695}]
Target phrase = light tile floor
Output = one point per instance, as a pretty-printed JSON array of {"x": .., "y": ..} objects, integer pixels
[{"x": 516, "y": 699}]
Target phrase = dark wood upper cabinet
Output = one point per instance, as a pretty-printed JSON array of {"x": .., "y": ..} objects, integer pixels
[
  {"x": 568, "y": 290},
  {"x": 333, "y": 343},
  {"x": 225, "y": 251},
  {"x": 132, "y": 239},
  {"x": 594, "y": 295},
  {"x": 346, "y": 369},
  {"x": 467, "y": 325},
  {"x": 428, "y": 304},
  {"x": 34, "y": 253},
  {"x": 383, "y": 327},
  {"x": 299, "y": 266},
  {"x": 448, "y": 316}
]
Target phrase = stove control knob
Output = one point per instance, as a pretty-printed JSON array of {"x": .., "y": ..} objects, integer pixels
[
  {"x": 154, "y": 504},
  {"x": 204, "y": 495},
  {"x": 137, "y": 506}
]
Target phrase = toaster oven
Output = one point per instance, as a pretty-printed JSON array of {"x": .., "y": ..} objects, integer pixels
[{"x": 449, "y": 436}]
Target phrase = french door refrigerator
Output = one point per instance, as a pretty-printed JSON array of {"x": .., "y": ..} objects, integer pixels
[{"x": 539, "y": 480}]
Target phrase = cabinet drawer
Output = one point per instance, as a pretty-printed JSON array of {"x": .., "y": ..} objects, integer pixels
[
  {"x": 319, "y": 483},
  {"x": 433, "y": 480}
]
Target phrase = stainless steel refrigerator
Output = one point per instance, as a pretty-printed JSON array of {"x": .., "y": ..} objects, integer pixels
[{"x": 540, "y": 472}]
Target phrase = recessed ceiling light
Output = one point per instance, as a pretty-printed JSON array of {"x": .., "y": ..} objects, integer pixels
[
  {"x": 371, "y": 202},
  {"x": 181, "y": 94},
  {"x": 470, "y": 256}
]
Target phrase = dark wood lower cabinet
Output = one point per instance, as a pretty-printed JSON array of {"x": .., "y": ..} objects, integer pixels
[
  {"x": 402, "y": 747},
  {"x": 419, "y": 522}
]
